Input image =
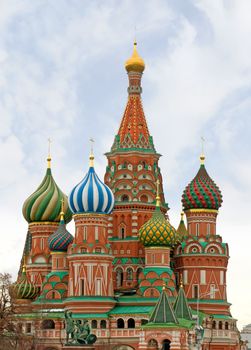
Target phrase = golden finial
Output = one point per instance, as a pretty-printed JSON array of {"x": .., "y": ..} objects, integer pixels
[
  {"x": 182, "y": 216},
  {"x": 181, "y": 281},
  {"x": 164, "y": 285},
  {"x": 91, "y": 158},
  {"x": 24, "y": 268},
  {"x": 135, "y": 63},
  {"x": 49, "y": 154},
  {"x": 157, "y": 194},
  {"x": 202, "y": 156},
  {"x": 62, "y": 210}
]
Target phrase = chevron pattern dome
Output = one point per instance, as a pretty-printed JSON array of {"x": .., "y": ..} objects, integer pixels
[
  {"x": 157, "y": 231},
  {"x": 60, "y": 239},
  {"x": 202, "y": 192},
  {"x": 45, "y": 203},
  {"x": 24, "y": 289},
  {"x": 91, "y": 195}
]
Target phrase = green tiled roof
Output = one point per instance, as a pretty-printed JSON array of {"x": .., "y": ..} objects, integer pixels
[
  {"x": 163, "y": 311},
  {"x": 134, "y": 309},
  {"x": 181, "y": 308}
]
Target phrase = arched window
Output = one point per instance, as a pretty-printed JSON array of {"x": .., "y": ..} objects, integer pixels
[
  {"x": 130, "y": 323},
  {"x": 103, "y": 324},
  {"x": 138, "y": 273},
  {"x": 120, "y": 323},
  {"x": 144, "y": 198},
  {"x": 214, "y": 325},
  {"x": 220, "y": 324},
  {"x": 125, "y": 198},
  {"x": 122, "y": 231},
  {"x": 48, "y": 324},
  {"x": 166, "y": 344},
  {"x": 226, "y": 326},
  {"x": 119, "y": 277},
  {"x": 129, "y": 274},
  {"x": 143, "y": 322},
  {"x": 153, "y": 344},
  {"x": 94, "y": 324}
]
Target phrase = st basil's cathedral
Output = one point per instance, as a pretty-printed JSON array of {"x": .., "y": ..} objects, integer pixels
[{"x": 137, "y": 282}]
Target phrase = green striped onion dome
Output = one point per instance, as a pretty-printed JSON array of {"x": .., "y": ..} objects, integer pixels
[
  {"x": 24, "y": 289},
  {"x": 45, "y": 203},
  {"x": 157, "y": 231},
  {"x": 202, "y": 192}
]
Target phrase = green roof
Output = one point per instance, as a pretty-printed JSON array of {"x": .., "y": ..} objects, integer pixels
[
  {"x": 163, "y": 311},
  {"x": 134, "y": 309},
  {"x": 181, "y": 308}
]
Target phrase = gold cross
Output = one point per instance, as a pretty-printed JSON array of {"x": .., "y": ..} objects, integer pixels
[
  {"x": 49, "y": 146},
  {"x": 92, "y": 143},
  {"x": 202, "y": 144}
]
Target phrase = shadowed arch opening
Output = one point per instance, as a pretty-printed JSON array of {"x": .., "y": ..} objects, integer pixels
[{"x": 166, "y": 344}]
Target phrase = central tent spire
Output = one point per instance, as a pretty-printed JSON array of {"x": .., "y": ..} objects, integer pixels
[{"x": 133, "y": 132}]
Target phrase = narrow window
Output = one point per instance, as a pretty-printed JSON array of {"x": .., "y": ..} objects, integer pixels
[
  {"x": 120, "y": 323},
  {"x": 96, "y": 233},
  {"x": 197, "y": 230},
  {"x": 28, "y": 327},
  {"x": 203, "y": 277},
  {"x": 122, "y": 233},
  {"x": 94, "y": 324},
  {"x": 212, "y": 291},
  {"x": 185, "y": 276},
  {"x": 221, "y": 277},
  {"x": 103, "y": 324},
  {"x": 131, "y": 323},
  {"x": 195, "y": 291},
  {"x": 208, "y": 229},
  {"x": 98, "y": 287},
  {"x": 82, "y": 286},
  {"x": 85, "y": 233}
]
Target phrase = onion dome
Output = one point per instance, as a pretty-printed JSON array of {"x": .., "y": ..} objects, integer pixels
[
  {"x": 91, "y": 195},
  {"x": 44, "y": 204},
  {"x": 61, "y": 238},
  {"x": 181, "y": 230},
  {"x": 202, "y": 192},
  {"x": 135, "y": 63},
  {"x": 24, "y": 289},
  {"x": 158, "y": 231}
]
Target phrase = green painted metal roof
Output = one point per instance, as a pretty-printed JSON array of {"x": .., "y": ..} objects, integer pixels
[
  {"x": 163, "y": 311},
  {"x": 181, "y": 308},
  {"x": 134, "y": 309}
]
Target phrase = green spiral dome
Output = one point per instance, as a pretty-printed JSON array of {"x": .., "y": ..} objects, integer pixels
[
  {"x": 157, "y": 231},
  {"x": 24, "y": 289},
  {"x": 45, "y": 203}
]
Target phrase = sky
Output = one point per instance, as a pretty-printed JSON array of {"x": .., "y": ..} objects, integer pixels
[{"x": 62, "y": 76}]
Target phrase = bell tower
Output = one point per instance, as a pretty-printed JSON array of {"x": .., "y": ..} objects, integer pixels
[{"x": 131, "y": 173}]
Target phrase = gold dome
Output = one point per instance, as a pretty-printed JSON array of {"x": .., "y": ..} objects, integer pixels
[{"x": 135, "y": 63}]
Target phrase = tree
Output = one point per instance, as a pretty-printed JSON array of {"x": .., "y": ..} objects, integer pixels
[{"x": 11, "y": 332}]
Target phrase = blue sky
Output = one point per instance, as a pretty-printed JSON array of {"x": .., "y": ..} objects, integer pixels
[{"x": 62, "y": 76}]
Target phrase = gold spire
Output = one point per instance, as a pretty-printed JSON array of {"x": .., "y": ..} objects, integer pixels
[
  {"x": 62, "y": 210},
  {"x": 202, "y": 156},
  {"x": 91, "y": 157},
  {"x": 157, "y": 194},
  {"x": 49, "y": 154},
  {"x": 182, "y": 216},
  {"x": 24, "y": 268},
  {"x": 181, "y": 281},
  {"x": 135, "y": 63}
]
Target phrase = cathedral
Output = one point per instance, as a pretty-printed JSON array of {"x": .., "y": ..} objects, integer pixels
[{"x": 126, "y": 275}]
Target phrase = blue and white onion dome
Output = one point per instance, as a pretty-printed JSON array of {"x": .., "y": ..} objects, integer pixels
[{"x": 91, "y": 195}]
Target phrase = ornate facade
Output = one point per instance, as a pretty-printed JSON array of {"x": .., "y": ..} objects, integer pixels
[{"x": 139, "y": 282}]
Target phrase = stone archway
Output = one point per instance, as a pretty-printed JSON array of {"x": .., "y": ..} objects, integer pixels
[{"x": 166, "y": 344}]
